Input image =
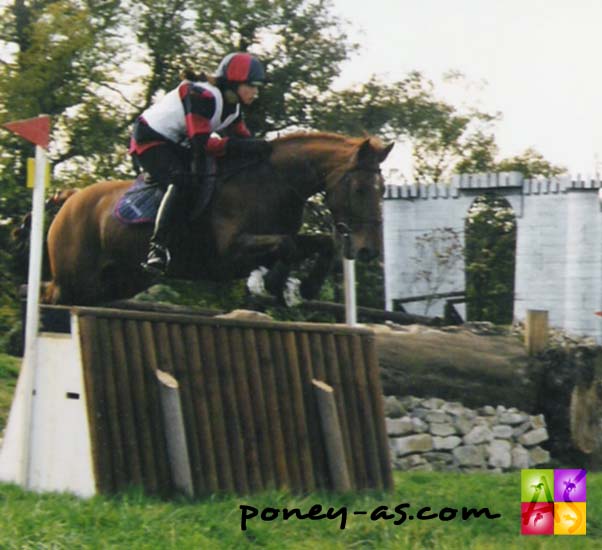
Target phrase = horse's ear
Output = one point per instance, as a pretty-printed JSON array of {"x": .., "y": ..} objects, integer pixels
[
  {"x": 365, "y": 153},
  {"x": 384, "y": 153}
]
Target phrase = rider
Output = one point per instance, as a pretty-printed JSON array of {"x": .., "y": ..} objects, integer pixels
[{"x": 171, "y": 139}]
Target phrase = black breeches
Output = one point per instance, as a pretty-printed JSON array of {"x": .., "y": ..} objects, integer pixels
[{"x": 165, "y": 163}]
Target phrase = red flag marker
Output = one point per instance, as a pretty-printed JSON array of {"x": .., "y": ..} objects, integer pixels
[{"x": 36, "y": 130}]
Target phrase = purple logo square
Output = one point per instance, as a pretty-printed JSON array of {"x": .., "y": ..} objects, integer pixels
[{"x": 569, "y": 486}]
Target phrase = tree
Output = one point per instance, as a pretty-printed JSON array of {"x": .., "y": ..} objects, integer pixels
[
  {"x": 531, "y": 164},
  {"x": 438, "y": 253},
  {"x": 301, "y": 42},
  {"x": 441, "y": 134},
  {"x": 490, "y": 259}
]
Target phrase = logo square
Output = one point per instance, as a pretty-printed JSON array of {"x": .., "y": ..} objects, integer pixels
[
  {"x": 537, "y": 518},
  {"x": 569, "y": 518},
  {"x": 570, "y": 485},
  {"x": 537, "y": 485}
]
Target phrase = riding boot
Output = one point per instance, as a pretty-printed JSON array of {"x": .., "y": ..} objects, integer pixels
[{"x": 159, "y": 256}]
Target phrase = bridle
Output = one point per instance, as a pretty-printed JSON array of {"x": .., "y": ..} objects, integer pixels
[{"x": 345, "y": 226}]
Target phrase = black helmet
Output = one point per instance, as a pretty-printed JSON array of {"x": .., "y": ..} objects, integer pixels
[{"x": 241, "y": 68}]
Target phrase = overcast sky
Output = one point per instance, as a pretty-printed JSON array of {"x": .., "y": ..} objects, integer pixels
[{"x": 540, "y": 59}]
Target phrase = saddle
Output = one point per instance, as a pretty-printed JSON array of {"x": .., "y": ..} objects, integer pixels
[{"x": 140, "y": 203}]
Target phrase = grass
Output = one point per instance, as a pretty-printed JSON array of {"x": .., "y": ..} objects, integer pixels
[
  {"x": 9, "y": 371},
  {"x": 133, "y": 521}
]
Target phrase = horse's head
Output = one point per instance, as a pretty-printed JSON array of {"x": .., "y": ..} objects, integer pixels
[{"x": 355, "y": 200}]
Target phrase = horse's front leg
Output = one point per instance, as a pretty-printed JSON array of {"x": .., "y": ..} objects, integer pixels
[
  {"x": 323, "y": 246},
  {"x": 279, "y": 251}
]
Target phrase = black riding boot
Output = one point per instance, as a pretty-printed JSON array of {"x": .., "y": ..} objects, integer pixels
[{"x": 158, "y": 255}]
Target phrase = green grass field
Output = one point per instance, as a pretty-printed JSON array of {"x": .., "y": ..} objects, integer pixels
[
  {"x": 133, "y": 521},
  {"x": 9, "y": 370}
]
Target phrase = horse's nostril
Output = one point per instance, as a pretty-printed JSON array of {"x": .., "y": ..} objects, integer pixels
[{"x": 366, "y": 254}]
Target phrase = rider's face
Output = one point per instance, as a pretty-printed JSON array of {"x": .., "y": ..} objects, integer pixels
[{"x": 247, "y": 93}]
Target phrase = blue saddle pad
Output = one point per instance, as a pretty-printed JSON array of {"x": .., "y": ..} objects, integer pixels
[{"x": 139, "y": 203}]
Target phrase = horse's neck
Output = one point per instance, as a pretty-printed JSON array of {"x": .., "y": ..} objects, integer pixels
[{"x": 313, "y": 167}]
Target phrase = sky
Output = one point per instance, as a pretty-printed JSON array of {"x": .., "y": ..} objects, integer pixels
[{"x": 538, "y": 62}]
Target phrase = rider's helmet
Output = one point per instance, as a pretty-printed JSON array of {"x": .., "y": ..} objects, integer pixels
[{"x": 240, "y": 68}]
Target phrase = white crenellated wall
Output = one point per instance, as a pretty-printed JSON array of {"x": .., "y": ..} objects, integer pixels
[{"x": 558, "y": 248}]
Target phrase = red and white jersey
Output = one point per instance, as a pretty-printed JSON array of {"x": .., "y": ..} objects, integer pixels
[
  {"x": 170, "y": 117},
  {"x": 191, "y": 109}
]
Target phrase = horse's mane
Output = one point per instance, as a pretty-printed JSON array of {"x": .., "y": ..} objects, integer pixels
[
  {"x": 325, "y": 138},
  {"x": 338, "y": 146}
]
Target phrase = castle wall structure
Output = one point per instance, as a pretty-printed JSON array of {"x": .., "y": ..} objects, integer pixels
[{"x": 558, "y": 245}]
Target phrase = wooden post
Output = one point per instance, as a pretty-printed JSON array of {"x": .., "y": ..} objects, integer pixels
[
  {"x": 333, "y": 437},
  {"x": 536, "y": 330},
  {"x": 175, "y": 433}
]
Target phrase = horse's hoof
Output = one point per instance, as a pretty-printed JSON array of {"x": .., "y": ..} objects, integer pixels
[
  {"x": 292, "y": 292},
  {"x": 256, "y": 282},
  {"x": 152, "y": 270}
]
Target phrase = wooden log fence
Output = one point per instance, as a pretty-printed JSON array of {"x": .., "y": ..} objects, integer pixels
[{"x": 249, "y": 412}]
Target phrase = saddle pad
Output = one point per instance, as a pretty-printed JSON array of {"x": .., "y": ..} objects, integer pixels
[{"x": 139, "y": 203}]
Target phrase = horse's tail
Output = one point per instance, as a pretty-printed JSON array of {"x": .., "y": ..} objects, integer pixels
[{"x": 20, "y": 236}]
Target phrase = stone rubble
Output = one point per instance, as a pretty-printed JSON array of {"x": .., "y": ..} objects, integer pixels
[{"x": 436, "y": 435}]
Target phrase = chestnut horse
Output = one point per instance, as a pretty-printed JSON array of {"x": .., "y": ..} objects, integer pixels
[{"x": 253, "y": 219}]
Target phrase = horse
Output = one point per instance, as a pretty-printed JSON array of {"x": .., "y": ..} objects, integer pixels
[{"x": 253, "y": 219}]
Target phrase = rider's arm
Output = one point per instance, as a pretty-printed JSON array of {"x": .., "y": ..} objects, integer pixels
[
  {"x": 239, "y": 128},
  {"x": 199, "y": 108},
  {"x": 241, "y": 143}
]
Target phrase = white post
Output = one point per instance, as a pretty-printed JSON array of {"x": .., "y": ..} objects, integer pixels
[
  {"x": 35, "y": 252},
  {"x": 34, "y": 281},
  {"x": 15, "y": 456},
  {"x": 350, "y": 301}
]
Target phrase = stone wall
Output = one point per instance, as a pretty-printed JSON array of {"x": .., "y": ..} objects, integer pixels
[
  {"x": 433, "y": 434},
  {"x": 558, "y": 249}
]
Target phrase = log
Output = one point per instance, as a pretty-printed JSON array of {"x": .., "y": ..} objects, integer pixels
[
  {"x": 161, "y": 307},
  {"x": 457, "y": 365},
  {"x": 536, "y": 331},
  {"x": 210, "y": 375},
  {"x": 364, "y": 314},
  {"x": 175, "y": 432},
  {"x": 333, "y": 437}
]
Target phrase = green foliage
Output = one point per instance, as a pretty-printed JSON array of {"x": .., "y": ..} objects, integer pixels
[
  {"x": 442, "y": 136},
  {"x": 223, "y": 296},
  {"x": 9, "y": 371},
  {"x": 301, "y": 43},
  {"x": 530, "y": 164},
  {"x": 480, "y": 157},
  {"x": 490, "y": 260}
]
